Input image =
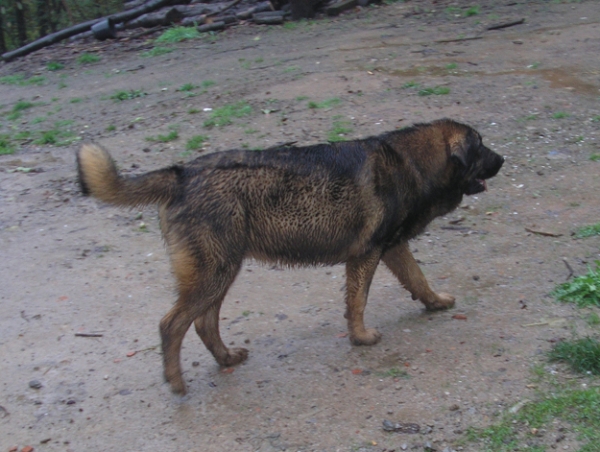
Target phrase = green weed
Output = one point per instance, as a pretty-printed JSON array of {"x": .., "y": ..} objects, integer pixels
[
  {"x": 196, "y": 142},
  {"x": 595, "y": 157},
  {"x": 88, "y": 58},
  {"x": 329, "y": 103},
  {"x": 61, "y": 135},
  {"x": 178, "y": 34},
  {"x": 207, "y": 83},
  {"x": 54, "y": 66},
  {"x": 6, "y": 146},
  {"x": 583, "y": 290},
  {"x": 588, "y": 231},
  {"x": 560, "y": 115},
  {"x": 20, "y": 80},
  {"x": 223, "y": 116},
  {"x": 127, "y": 95},
  {"x": 394, "y": 372},
  {"x": 111, "y": 128},
  {"x": 472, "y": 11},
  {"x": 451, "y": 66},
  {"x": 411, "y": 84},
  {"x": 187, "y": 87},
  {"x": 339, "y": 131},
  {"x": 583, "y": 355},
  {"x": 580, "y": 408},
  {"x": 592, "y": 319},
  {"x": 76, "y": 100},
  {"x": 437, "y": 90},
  {"x": 156, "y": 51},
  {"x": 171, "y": 136}
]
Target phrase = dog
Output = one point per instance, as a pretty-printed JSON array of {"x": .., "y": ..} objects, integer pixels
[{"x": 355, "y": 202}]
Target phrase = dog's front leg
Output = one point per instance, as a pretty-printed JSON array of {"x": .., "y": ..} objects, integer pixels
[
  {"x": 401, "y": 262},
  {"x": 359, "y": 274}
]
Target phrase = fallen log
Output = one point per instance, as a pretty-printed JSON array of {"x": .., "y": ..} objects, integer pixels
[
  {"x": 215, "y": 26},
  {"x": 338, "y": 8},
  {"x": 269, "y": 18},
  {"x": 259, "y": 8},
  {"x": 163, "y": 16},
  {"x": 53, "y": 38},
  {"x": 505, "y": 25}
]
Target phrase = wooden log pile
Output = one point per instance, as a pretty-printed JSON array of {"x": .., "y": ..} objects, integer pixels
[{"x": 206, "y": 15}]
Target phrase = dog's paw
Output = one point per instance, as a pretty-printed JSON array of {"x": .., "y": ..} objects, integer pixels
[
  {"x": 442, "y": 301},
  {"x": 370, "y": 336},
  {"x": 177, "y": 385},
  {"x": 234, "y": 356}
]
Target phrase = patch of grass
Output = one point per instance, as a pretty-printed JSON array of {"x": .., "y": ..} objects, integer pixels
[
  {"x": 531, "y": 117},
  {"x": 394, "y": 372},
  {"x": 156, "y": 51},
  {"x": 54, "y": 66},
  {"x": 339, "y": 131},
  {"x": 583, "y": 290},
  {"x": 6, "y": 146},
  {"x": 583, "y": 355},
  {"x": 186, "y": 87},
  {"x": 127, "y": 95},
  {"x": 223, "y": 116},
  {"x": 20, "y": 80},
  {"x": 111, "y": 128},
  {"x": 22, "y": 105},
  {"x": 207, "y": 83},
  {"x": 588, "y": 231},
  {"x": 472, "y": 11},
  {"x": 436, "y": 90},
  {"x": 560, "y": 115},
  {"x": 592, "y": 319},
  {"x": 577, "y": 407},
  {"x": 411, "y": 84},
  {"x": 76, "y": 100},
  {"x": 451, "y": 66},
  {"x": 196, "y": 142},
  {"x": 60, "y": 135},
  {"x": 88, "y": 58},
  {"x": 595, "y": 157},
  {"x": 171, "y": 136},
  {"x": 329, "y": 103},
  {"x": 596, "y": 118},
  {"x": 193, "y": 111},
  {"x": 178, "y": 34}
]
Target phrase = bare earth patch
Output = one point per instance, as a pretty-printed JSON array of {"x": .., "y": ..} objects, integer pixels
[{"x": 72, "y": 265}]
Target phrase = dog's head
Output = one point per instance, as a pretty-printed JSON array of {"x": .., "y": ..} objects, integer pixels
[{"x": 473, "y": 161}]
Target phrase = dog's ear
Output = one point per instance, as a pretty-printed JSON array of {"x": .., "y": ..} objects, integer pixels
[{"x": 459, "y": 151}]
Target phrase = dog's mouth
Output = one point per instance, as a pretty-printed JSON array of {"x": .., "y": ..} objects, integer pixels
[{"x": 476, "y": 186}]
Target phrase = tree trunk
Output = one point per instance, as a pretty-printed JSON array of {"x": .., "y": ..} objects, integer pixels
[
  {"x": 2, "y": 41},
  {"x": 20, "y": 21},
  {"x": 42, "y": 9}
]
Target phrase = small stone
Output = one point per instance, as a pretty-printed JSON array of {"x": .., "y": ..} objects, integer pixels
[
  {"x": 454, "y": 407},
  {"x": 27, "y": 449},
  {"x": 35, "y": 384},
  {"x": 195, "y": 364}
]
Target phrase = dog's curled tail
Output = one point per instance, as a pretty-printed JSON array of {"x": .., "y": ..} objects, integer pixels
[{"x": 99, "y": 177}]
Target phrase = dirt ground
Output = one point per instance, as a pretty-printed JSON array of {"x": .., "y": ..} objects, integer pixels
[{"x": 72, "y": 265}]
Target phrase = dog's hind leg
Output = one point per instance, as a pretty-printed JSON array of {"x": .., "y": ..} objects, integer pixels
[
  {"x": 359, "y": 274},
  {"x": 207, "y": 327},
  {"x": 202, "y": 287},
  {"x": 401, "y": 262}
]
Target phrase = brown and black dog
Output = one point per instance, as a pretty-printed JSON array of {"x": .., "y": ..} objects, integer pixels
[{"x": 355, "y": 202}]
